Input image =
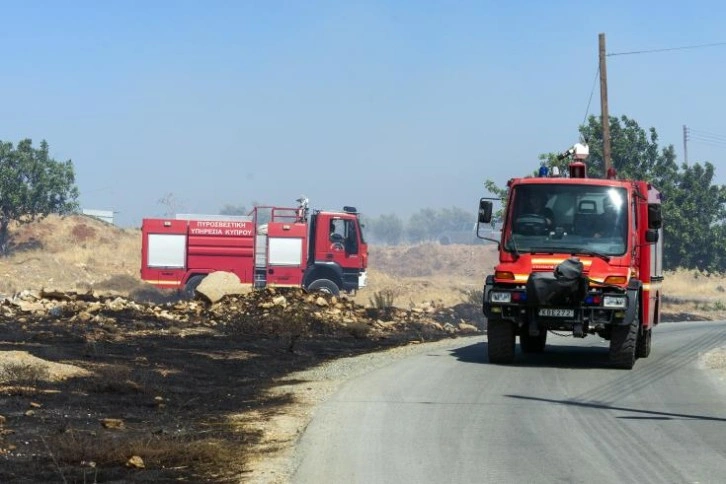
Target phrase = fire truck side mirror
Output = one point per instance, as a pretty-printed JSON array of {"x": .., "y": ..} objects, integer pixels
[
  {"x": 485, "y": 211},
  {"x": 655, "y": 218},
  {"x": 651, "y": 236}
]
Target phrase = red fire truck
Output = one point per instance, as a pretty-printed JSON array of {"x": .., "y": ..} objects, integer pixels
[
  {"x": 274, "y": 246},
  {"x": 576, "y": 254}
]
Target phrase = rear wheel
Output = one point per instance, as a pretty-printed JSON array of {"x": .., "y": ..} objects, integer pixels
[
  {"x": 643, "y": 347},
  {"x": 500, "y": 341},
  {"x": 623, "y": 342},
  {"x": 325, "y": 286},
  {"x": 532, "y": 344},
  {"x": 190, "y": 288}
]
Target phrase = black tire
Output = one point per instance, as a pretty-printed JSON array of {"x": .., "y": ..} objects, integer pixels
[
  {"x": 190, "y": 288},
  {"x": 501, "y": 339},
  {"x": 623, "y": 342},
  {"x": 532, "y": 344},
  {"x": 325, "y": 286},
  {"x": 642, "y": 349}
]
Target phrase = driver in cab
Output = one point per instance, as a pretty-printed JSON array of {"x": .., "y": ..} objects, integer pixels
[
  {"x": 336, "y": 240},
  {"x": 534, "y": 211}
]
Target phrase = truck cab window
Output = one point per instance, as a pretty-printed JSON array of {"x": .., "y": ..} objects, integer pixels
[{"x": 351, "y": 237}]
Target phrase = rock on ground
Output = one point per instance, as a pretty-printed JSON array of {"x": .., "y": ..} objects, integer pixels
[{"x": 219, "y": 284}]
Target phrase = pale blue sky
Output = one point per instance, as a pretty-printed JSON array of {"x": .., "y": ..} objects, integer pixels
[{"x": 388, "y": 106}]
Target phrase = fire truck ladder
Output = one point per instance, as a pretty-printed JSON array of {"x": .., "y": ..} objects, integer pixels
[
  {"x": 261, "y": 257},
  {"x": 276, "y": 214}
]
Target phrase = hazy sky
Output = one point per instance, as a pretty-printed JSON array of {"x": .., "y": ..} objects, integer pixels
[{"x": 388, "y": 106}]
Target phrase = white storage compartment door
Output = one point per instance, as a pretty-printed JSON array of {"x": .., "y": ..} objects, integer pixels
[
  {"x": 167, "y": 251},
  {"x": 285, "y": 251}
]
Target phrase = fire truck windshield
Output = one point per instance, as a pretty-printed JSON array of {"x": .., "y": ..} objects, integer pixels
[{"x": 567, "y": 218}]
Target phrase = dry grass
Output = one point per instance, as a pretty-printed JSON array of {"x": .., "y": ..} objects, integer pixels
[
  {"x": 22, "y": 378},
  {"x": 694, "y": 285},
  {"x": 171, "y": 452},
  {"x": 81, "y": 253},
  {"x": 75, "y": 252},
  {"x": 695, "y": 294},
  {"x": 428, "y": 273}
]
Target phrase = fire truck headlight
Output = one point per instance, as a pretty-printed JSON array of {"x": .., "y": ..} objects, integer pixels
[
  {"x": 500, "y": 297},
  {"x": 614, "y": 301}
]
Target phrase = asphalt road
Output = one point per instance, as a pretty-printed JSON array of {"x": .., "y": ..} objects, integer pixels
[{"x": 447, "y": 416}]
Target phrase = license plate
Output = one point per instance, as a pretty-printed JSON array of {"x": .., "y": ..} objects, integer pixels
[{"x": 557, "y": 313}]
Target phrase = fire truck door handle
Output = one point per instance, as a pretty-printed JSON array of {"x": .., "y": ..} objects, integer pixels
[
  {"x": 167, "y": 273},
  {"x": 329, "y": 256}
]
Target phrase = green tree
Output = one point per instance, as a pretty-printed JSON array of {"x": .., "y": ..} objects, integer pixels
[
  {"x": 634, "y": 153},
  {"x": 387, "y": 229},
  {"x": 454, "y": 219},
  {"x": 421, "y": 225},
  {"x": 693, "y": 220},
  {"x": 229, "y": 209},
  {"x": 32, "y": 186},
  {"x": 500, "y": 193},
  {"x": 693, "y": 207}
]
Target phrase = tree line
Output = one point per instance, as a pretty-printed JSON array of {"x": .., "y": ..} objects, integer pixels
[
  {"x": 446, "y": 225},
  {"x": 33, "y": 185}
]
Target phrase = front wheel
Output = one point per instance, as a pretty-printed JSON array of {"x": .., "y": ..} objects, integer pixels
[
  {"x": 325, "y": 286},
  {"x": 500, "y": 341},
  {"x": 624, "y": 341}
]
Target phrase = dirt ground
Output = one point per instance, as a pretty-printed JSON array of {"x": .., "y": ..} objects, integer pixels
[
  {"x": 144, "y": 401},
  {"x": 132, "y": 397}
]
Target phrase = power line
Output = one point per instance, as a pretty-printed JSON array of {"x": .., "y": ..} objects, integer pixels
[
  {"x": 592, "y": 91},
  {"x": 699, "y": 46},
  {"x": 708, "y": 134},
  {"x": 708, "y": 141},
  {"x": 703, "y": 138}
]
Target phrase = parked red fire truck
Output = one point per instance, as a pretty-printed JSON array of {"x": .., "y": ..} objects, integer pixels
[
  {"x": 273, "y": 246},
  {"x": 576, "y": 254}
]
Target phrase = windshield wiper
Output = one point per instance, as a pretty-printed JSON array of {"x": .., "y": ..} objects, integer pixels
[
  {"x": 543, "y": 250},
  {"x": 570, "y": 250},
  {"x": 591, "y": 253}
]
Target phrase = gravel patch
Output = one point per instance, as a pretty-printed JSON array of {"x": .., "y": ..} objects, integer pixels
[{"x": 716, "y": 360}]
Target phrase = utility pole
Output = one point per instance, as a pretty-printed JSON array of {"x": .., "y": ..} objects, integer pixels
[
  {"x": 604, "y": 105},
  {"x": 685, "y": 144}
]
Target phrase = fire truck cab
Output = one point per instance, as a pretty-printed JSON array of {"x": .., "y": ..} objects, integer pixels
[
  {"x": 576, "y": 254},
  {"x": 272, "y": 246}
]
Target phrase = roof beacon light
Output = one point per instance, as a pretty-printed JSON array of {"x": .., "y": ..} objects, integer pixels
[{"x": 543, "y": 170}]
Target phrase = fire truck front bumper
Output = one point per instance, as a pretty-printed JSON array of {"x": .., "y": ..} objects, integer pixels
[{"x": 597, "y": 311}]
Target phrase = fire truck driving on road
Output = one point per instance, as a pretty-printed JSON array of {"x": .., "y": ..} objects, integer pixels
[
  {"x": 273, "y": 246},
  {"x": 576, "y": 254}
]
